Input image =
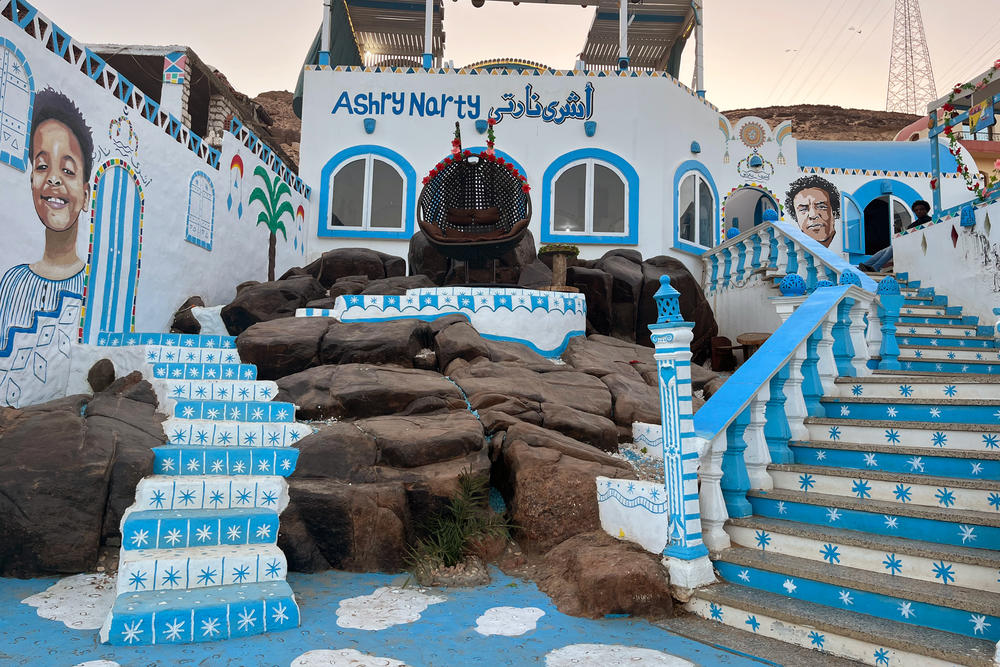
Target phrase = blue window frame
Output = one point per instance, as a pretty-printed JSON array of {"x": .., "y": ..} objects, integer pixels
[
  {"x": 201, "y": 211},
  {"x": 696, "y": 208},
  {"x": 367, "y": 191},
  {"x": 590, "y": 196}
]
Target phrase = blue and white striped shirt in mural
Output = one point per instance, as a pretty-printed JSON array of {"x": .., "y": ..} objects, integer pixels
[{"x": 24, "y": 293}]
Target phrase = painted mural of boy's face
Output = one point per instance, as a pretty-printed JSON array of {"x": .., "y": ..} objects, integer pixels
[
  {"x": 814, "y": 214},
  {"x": 58, "y": 188}
]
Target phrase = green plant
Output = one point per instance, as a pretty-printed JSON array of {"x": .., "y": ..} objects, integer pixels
[
  {"x": 567, "y": 248},
  {"x": 449, "y": 535},
  {"x": 275, "y": 207}
]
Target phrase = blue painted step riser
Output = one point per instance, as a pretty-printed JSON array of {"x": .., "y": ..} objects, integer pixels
[
  {"x": 185, "y": 493},
  {"x": 916, "y": 412},
  {"x": 182, "y": 570},
  {"x": 957, "y": 354},
  {"x": 190, "y": 531},
  {"x": 932, "y": 341},
  {"x": 931, "y": 319},
  {"x": 948, "y": 367},
  {"x": 205, "y": 371},
  {"x": 224, "y": 461},
  {"x": 202, "y": 623},
  {"x": 928, "y": 530},
  {"x": 158, "y": 354},
  {"x": 234, "y": 434},
  {"x": 926, "y": 615},
  {"x": 200, "y": 390},
  {"x": 937, "y": 466},
  {"x": 167, "y": 339},
  {"x": 240, "y": 411}
]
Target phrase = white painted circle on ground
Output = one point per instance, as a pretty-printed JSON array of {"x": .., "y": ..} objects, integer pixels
[
  {"x": 386, "y": 607},
  {"x": 611, "y": 655},
  {"x": 98, "y": 663},
  {"x": 81, "y": 602},
  {"x": 346, "y": 657},
  {"x": 508, "y": 621}
]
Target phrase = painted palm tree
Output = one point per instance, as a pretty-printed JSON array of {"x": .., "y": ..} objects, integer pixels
[{"x": 275, "y": 197}]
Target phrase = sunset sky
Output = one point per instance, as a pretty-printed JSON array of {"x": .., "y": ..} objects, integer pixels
[{"x": 756, "y": 54}]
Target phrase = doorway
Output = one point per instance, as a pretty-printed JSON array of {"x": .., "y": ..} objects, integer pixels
[
  {"x": 884, "y": 216},
  {"x": 745, "y": 207}
]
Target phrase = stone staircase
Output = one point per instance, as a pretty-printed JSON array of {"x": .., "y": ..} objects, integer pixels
[
  {"x": 199, "y": 559},
  {"x": 880, "y": 541}
]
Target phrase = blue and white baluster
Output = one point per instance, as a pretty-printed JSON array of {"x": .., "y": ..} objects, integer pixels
[
  {"x": 795, "y": 406},
  {"x": 755, "y": 243},
  {"x": 772, "y": 248},
  {"x": 890, "y": 300},
  {"x": 713, "y": 283},
  {"x": 851, "y": 312},
  {"x": 686, "y": 555},
  {"x": 727, "y": 267},
  {"x": 741, "y": 261},
  {"x": 826, "y": 366},
  {"x": 793, "y": 256},
  {"x": 757, "y": 457}
]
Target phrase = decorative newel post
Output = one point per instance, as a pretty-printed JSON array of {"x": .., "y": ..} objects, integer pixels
[
  {"x": 890, "y": 300},
  {"x": 685, "y": 555}
]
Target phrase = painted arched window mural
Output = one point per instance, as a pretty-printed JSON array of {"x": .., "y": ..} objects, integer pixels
[
  {"x": 113, "y": 268},
  {"x": 17, "y": 93},
  {"x": 367, "y": 191},
  {"x": 590, "y": 196},
  {"x": 201, "y": 210},
  {"x": 696, "y": 208}
]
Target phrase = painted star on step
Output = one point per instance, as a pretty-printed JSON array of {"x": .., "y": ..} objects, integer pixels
[
  {"x": 132, "y": 632},
  {"x": 891, "y": 522},
  {"x": 279, "y": 614},
  {"x": 752, "y": 622},
  {"x": 916, "y": 463},
  {"x": 832, "y": 514},
  {"x": 821, "y": 455},
  {"x": 745, "y": 575},
  {"x": 906, "y": 610},
  {"x": 891, "y": 412},
  {"x": 979, "y": 623},
  {"x": 870, "y": 460},
  {"x": 845, "y": 411},
  {"x": 935, "y": 413},
  {"x": 174, "y": 630},
  {"x": 967, "y": 533},
  {"x": 845, "y": 598}
]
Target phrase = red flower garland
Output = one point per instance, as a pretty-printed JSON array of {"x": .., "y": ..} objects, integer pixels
[{"x": 980, "y": 186}]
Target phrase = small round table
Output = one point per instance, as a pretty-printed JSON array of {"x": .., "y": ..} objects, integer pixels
[{"x": 751, "y": 342}]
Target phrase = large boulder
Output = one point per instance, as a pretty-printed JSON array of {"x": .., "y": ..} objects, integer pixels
[
  {"x": 54, "y": 473},
  {"x": 548, "y": 481},
  {"x": 634, "y": 400},
  {"x": 427, "y": 260},
  {"x": 459, "y": 341},
  {"x": 625, "y": 269},
  {"x": 603, "y": 355},
  {"x": 340, "y": 262},
  {"x": 282, "y": 347},
  {"x": 390, "y": 342},
  {"x": 694, "y": 306},
  {"x": 594, "y": 575},
  {"x": 269, "y": 301},
  {"x": 356, "y": 391},
  {"x": 597, "y": 286},
  {"x": 397, "y": 285}
]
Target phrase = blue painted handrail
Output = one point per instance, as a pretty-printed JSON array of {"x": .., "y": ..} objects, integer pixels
[{"x": 736, "y": 394}]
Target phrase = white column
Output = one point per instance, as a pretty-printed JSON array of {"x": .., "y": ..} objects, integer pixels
[
  {"x": 757, "y": 455},
  {"x": 874, "y": 332},
  {"x": 429, "y": 34},
  {"x": 857, "y": 331},
  {"x": 827, "y": 366},
  {"x": 699, "y": 56},
  {"x": 324, "y": 38},
  {"x": 622, "y": 34},
  {"x": 713, "y": 505},
  {"x": 795, "y": 405}
]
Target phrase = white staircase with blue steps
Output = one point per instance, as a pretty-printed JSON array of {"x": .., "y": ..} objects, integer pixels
[
  {"x": 199, "y": 559},
  {"x": 880, "y": 541}
]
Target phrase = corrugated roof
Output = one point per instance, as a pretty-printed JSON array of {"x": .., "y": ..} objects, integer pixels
[
  {"x": 914, "y": 156},
  {"x": 656, "y": 27}
]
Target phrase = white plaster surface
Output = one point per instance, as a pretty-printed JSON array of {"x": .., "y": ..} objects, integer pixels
[
  {"x": 125, "y": 359},
  {"x": 386, "y": 607},
  {"x": 637, "y": 523},
  {"x": 80, "y": 602},
  {"x": 508, "y": 621},
  {"x": 346, "y": 657},
  {"x": 210, "y": 319},
  {"x": 611, "y": 655}
]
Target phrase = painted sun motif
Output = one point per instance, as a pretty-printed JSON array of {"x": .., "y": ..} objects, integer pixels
[{"x": 752, "y": 135}]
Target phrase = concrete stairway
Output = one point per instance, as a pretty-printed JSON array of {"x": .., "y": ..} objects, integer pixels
[
  {"x": 880, "y": 542},
  {"x": 199, "y": 559}
]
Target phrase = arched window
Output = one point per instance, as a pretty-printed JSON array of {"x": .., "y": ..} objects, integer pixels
[
  {"x": 369, "y": 191},
  {"x": 590, "y": 196},
  {"x": 696, "y": 208},
  {"x": 201, "y": 211},
  {"x": 17, "y": 95}
]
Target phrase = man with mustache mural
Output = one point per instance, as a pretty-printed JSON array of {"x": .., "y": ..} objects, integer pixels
[
  {"x": 815, "y": 203},
  {"x": 61, "y": 151}
]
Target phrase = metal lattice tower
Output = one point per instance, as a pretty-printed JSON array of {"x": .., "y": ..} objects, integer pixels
[{"x": 911, "y": 78}]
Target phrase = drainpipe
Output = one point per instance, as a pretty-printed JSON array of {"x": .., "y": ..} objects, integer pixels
[
  {"x": 699, "y": 59},
  {"x": 622, "y": 34},
  {"x": 324, "y": 49},
  {"x": 429, "y": 34}
]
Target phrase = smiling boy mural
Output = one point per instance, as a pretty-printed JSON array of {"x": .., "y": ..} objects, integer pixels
[
  {"x": 815, "y": 203},
  {"x": 61, "y": 151}
]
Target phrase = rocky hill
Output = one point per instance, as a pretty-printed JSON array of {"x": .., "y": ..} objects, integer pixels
[
  {"x": 287, "y": 127},
  {"x": 819, "y": 121}
]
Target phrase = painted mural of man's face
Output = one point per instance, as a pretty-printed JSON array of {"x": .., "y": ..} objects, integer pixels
[
  {"x": 814, "y": 214},
  {"x": 57, "y": 185}
]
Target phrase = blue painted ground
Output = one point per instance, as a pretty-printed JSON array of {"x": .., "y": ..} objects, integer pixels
[{"x": 444, "y": 635}]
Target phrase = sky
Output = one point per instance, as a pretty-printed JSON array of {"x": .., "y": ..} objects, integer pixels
[{"x": 760, "y": 53}]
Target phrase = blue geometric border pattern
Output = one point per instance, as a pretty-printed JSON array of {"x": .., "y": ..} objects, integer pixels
[
  {"x": 958, "y": 621},
  {"x": 190, "y": 493},
  {"x": 205, "y": 371},
  {"x": 217, "y": 614},
  {"x": 656, "y": 503},
  {"x": 249, "y": 390},
  {"x": 234, "y": 434},
  {"x": 249, "y": 411},
  {"x": 19, "y": 162},
  {"x": 64, "y": 296},
  {"x": 164, "y": 354},
  {"x": 228, "y": 461},
  {"x": 910, "y": 464},
  {"x": 156, "y": 529},
  {"x": 110, "y": 339}
]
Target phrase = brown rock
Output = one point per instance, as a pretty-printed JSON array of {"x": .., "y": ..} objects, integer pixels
[
  {"x": 602, "y": 355},
  {"x": 356, "y": 391},
  {"x": 597, "y": 286},
  {"x": 390, "y": 342},
  {"x": 635, "y": 401},
  {"x": 282, "y": 347},
  {"x": 426, "y": 260},
  {"x": 626, "y": 275},
  {"x": 397, "y": 285},
  {"x": 101, "y": 375},
  {"x": 184, "y": 320},
  {"x": 594, "y": 430},
  {"x": 269, "y": 301},
  {"x": 420, "y": 440},
  {"x": 593, "y": 575},
  {"x": 694, "y": 306},
  {"x": 340, "y": 262},
  {"x": 459, "y": 341}
]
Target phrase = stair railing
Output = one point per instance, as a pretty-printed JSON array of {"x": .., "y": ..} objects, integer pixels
[
  {"x": 774, "y": 247},
  {"x": 749, "y": 422}
]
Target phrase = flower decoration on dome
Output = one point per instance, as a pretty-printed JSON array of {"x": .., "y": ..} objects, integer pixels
[
  {"x": 459, "y": 154},
  {"x": 979, "y": 183}
]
